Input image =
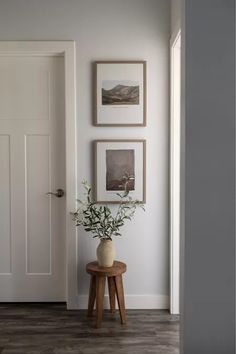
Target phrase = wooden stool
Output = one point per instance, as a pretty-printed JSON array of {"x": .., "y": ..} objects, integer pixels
[{"x": 97, "y": 287}]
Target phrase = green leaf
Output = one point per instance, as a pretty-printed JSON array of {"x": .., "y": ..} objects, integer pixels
[{"x": 99, "y": 219}]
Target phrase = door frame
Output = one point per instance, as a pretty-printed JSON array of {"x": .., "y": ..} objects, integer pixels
[
  {"x": 174, "y": 251},
  {"x": 67, "y": 50}
]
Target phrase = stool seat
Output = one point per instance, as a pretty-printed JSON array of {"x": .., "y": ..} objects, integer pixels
[
  {"x": 97, "y": 287},
  {"x": 118, "y": 268}
]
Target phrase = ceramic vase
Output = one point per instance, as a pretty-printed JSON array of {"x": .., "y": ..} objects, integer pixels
[{"x": 105, "y": 253}]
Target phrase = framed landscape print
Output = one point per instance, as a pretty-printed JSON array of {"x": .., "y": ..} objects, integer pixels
[
  {"x": 120, "y": 93},
  {"x": 115, "y": 160}
]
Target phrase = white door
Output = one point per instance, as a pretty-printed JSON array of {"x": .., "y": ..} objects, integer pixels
[
  {"x": 32, "y": 163},
  {"x": 175, "y": 172}
]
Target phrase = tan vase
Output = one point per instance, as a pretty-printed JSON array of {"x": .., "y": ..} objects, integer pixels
[{"x": 105, "y": 253}]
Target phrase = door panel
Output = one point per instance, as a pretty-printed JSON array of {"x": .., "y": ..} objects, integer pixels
[
  {"x": 32, "y": 163},
  {"x": 38, "y": 206},
  {"x": 25, "y": 82}
]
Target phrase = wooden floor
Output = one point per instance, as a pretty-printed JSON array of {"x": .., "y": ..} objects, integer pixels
[{"x": 50, "y": 328}]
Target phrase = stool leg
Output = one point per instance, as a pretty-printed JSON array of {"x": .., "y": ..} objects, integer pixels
[
  {"x": 120, "y": 297},
  {"x": 112, "y": 293},
  {"x": 100, "y": 287},
  {"x": 92, "y": 295}
]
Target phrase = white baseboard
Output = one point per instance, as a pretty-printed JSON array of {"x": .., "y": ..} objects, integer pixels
[
  {"x": 160, "y": 302},
  {"x": 134, "y": 302}
]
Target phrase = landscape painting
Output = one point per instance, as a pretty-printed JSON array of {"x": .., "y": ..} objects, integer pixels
[
  {"x": 116, "y": 92},
  {"x": 120, "y": 93},
  {"x": 120, "y": 167}
]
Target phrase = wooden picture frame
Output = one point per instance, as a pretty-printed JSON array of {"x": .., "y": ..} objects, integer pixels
[
  {"x": 120, "y": 93},
  {"x": 112, "y": 160}
]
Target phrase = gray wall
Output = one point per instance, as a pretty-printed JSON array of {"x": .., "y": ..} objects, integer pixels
[
  {"x": 209, "y": 249},
  {"x": 111, "y": 30}
]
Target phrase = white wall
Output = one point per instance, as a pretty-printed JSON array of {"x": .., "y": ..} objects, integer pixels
[
  {"x": 112, "y": 29},
  {"x": 175, "y": 16}
]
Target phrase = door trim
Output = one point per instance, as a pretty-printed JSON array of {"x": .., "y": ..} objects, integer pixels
[
  {"x": 174, "y": 252},
  {"x": 67, "y": 50}
]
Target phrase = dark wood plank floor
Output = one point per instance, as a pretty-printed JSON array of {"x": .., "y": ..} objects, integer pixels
[{"x": 51, "y": 329}]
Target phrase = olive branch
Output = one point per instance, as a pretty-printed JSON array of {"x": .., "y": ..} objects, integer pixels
[{"x": 99, "y": 220}]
